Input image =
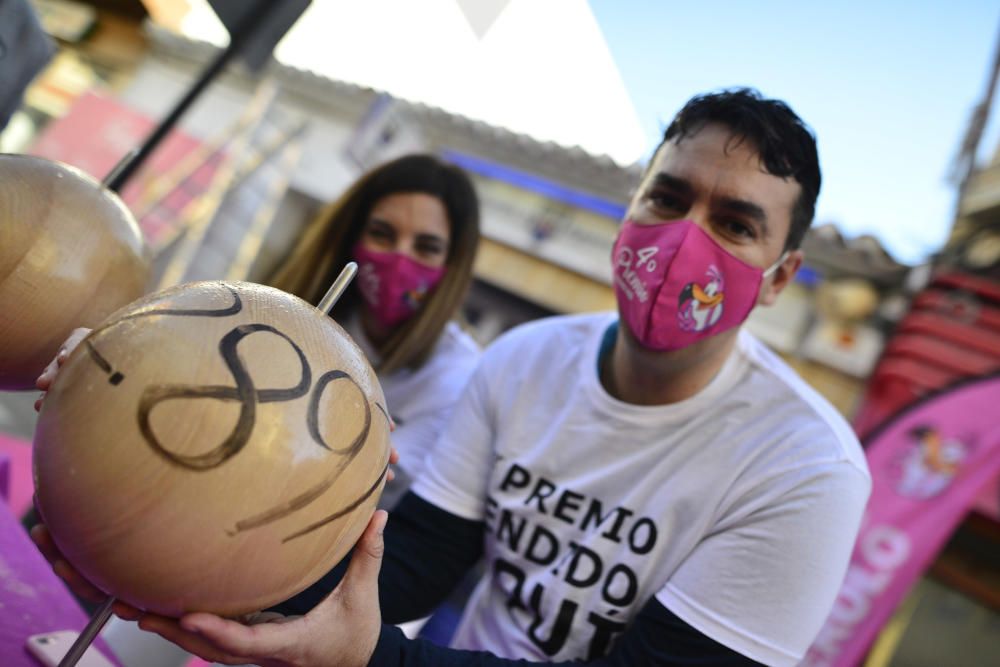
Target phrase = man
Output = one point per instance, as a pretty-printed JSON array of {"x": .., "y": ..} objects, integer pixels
[{"x": 651, "y": 488}]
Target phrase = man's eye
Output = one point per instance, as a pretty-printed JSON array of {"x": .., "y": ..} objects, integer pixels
[
  {"x": 665, "y": 200},
  {"x": 739, "y": 229}
]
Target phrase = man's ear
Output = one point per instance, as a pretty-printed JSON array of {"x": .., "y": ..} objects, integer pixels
[{"x": 782, "y": 276}]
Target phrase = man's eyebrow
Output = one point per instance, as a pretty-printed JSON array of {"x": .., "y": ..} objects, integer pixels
[
  {"x": 665, "y": 180},
  {"x": 747, "y": 208}
]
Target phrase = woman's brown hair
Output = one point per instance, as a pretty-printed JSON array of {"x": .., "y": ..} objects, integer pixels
[{"x": 326, "y": 244}]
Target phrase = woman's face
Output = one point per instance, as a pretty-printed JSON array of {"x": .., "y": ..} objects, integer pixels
[{"x": 414, "y": 224}]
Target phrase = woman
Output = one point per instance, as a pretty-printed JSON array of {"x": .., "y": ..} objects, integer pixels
[{"x": 412, "y": 225}]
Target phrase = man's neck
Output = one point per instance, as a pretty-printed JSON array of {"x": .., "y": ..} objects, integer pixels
[{"x": 634, "y": 374}]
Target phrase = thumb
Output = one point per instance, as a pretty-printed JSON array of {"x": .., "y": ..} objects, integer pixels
[{"x": 366, "y": 561}]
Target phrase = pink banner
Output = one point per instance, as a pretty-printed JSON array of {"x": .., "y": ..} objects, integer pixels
[
  {"x": 15, "y": 456},
  {"x": 928, "y": 465},
  {"x": 99, "y": 131}
]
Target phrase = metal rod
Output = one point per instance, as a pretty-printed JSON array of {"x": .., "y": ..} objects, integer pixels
[
  {"x": 89, "y": 634},
  {"x": 160, "y": 132},
  {"x": 124, "y": 162},
  {"x": 332, "y": 295},
  {"x": 237, "y": 39}
]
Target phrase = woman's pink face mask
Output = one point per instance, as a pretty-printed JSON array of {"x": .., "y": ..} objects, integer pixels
[{"x": 393, "y": 285}]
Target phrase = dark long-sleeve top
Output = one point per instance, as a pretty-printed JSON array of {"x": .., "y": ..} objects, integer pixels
[{"x": 427, "y": 553}]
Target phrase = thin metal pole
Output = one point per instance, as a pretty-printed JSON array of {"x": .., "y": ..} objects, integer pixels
[
  {"x": 117, "y": 169},
  {"x": 256, "y": 18},
  {"x": 89, "y": 634},
  {"x": 329, "y": 300}
]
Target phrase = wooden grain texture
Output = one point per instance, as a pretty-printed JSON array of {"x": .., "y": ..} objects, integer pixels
[
  {"x": 214, "y": 447},
  {"x": 70, "y": 254}
]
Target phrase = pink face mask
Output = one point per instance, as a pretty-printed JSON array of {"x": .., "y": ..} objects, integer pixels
[
  {"x": 392, "y": 284},
  {"x": 675, "y": 285}
]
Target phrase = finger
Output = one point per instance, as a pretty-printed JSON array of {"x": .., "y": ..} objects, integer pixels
[
  {"x": 71, "y": 344},
  {"x": 44, "y": 380},
  {"x": 251, "y": 641},
  {"x": 366, "y": 561},
  {"x": 43, "y": 540},
  {"x": 266, "y": 617},
  {"x": 76, "y": 582},
  {"x": 390, "y": 475},
  {"x": 78, "y": 334},
  {"x": 126, "y": 611},
  {"x": 189, "y": 640}
]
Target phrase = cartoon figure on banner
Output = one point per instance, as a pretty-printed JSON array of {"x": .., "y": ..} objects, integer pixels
[
  {"x": 930, "y": 464},
  {"x": 701, "y": 307}
]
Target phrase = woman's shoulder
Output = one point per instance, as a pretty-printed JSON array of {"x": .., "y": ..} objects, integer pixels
[
  {"x": 454, "y": 358},
  {"x": 554, "y": 334},
  {"x": 455, "y": 343}
]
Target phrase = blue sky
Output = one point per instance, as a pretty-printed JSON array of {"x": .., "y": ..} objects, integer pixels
[{"x": 887, "y": 86}]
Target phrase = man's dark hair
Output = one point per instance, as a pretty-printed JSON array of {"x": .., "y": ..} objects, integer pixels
[{"x": 785, "y": 144}]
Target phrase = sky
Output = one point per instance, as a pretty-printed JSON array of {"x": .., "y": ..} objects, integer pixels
[
  {"x": 540, "y": 67},
  {"x": 888, "y": 86}
]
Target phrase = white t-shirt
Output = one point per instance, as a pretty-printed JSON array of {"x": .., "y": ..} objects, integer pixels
[
  {"x": 420, "y": 400},
  {"x": 736, "y": 508}
]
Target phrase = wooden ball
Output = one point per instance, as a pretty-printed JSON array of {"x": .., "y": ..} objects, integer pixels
[
  {"x": 70, "y": 254},
  {"x": 213, "y": 447}
]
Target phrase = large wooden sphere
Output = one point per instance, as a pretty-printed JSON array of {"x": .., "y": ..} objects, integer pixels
[
  {"x": 213, "y": 447},
  {"x": 70, "y": 254}
]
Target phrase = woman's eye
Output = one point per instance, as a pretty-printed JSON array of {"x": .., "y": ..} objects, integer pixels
[
  {"x": 430, "y": 250},
  {"x": 379, "y": 235}
]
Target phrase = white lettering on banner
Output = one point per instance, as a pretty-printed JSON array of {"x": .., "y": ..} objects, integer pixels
[{"x": 881, "y": 551}]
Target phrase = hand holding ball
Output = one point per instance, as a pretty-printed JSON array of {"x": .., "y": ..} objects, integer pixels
[{"x": 214, "y": 447}]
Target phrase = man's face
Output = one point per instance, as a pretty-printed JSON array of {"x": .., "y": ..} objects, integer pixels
[{"x": 721, "y": 185}]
